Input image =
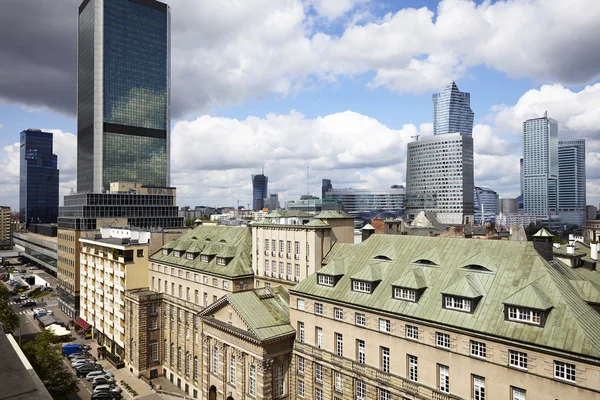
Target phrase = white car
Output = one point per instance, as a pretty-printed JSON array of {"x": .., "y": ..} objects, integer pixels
[
  {"x": 79, "y": 362},
  {"x": 90, "y": 377}
]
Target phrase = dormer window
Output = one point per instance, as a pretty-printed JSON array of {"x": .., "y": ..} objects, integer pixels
[
  {"x": 177, "y": 253},
  {"x": 325, "y": 280},
  {"x": 205, "y": 258},
  {"x": 524, "y": 315},
  {"x": 361, "y": 286},
  {"x": 189, "y": 256},
  {"x": 457, "y": 303},
  {"x": 221, "y": 261},
  {"x": 401, "y": 293},
  {"x": 165, "y": 252}
]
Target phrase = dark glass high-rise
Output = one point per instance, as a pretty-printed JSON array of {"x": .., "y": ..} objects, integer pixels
[
  {"x": 259, "y": 191},
  {"x": 123, "y": 93},
  {"x": 38, "y": 186}
]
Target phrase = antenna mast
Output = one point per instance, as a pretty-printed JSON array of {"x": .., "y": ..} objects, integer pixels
[{"x": 307, "y": 184}]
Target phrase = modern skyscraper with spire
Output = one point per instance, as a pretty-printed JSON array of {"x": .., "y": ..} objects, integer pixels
[{"x": 452, "y": 111}]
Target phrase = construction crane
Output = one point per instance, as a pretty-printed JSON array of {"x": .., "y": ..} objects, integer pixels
[{"x": 415, "y": 136}]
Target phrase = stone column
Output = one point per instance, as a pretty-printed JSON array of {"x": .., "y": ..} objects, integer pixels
[
  {"x": 205, "y": 362},
  {"x": 264, "y": 379}
]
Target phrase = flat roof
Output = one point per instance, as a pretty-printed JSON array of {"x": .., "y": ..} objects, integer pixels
[{"x": 52, "y": 239}]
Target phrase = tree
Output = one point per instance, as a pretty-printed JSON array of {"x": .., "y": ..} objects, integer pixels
[
  {"x": 46, "y": 360},
  {"x": 189, "y": 222},
  {"x": 8, "y": 316}
]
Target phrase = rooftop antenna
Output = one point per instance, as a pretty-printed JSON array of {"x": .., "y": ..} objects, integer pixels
[
  {"x": 415, "y": 136},
  {"x": 307, "y": 184}
]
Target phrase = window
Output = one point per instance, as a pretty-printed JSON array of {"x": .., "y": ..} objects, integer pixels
[
  {"x": 153, "y": 323},
  {"x": 338, "y": 313},
  {"x": 412, "y": 332},
  {"x": 301, "y": 388},
  {"x": 301, "y": 304},
  {"x": 289, "y": 247},
  {"x": 339, "y": 344},
  {"x": 215, "y": 360},
  {"x": 360, "y": 351},
  {"x": 179, "y": 357},
  {"x": 385, "y": 359},
  {"x": 297, "y": 245},
  {"x": 154, "y": 350},
  {"x": 204, "y": 258},
  {"x": 214, "y": 298},
  {"x": 177, "y": 253},
  {"x": 384, "y": 394},
  {"x": 266, "y": 266},
  {"x": 196, "y": 368},
  {"x": 226, "y": 285},
  {"x": 187, "y": 275},
  {"x": 279, "y": 383},
  {"x": 563, "y": 370},
  {"x": 405, "y": 294},
  {"x": 221, "y": 261},
  {"x": 318, "y": 373},
  {"x": 301, "y": 332},
  {"x": 197, "y": 297},
  {"x": 361, "y": 390},
  {"x": 300, "y": 365},
  {"x": 266, "y": 244},
  {"x": 458, "y": 303},
  {"x": 319, "y": 308},
  {"x": 188, "y": 361},
  {"x": 232, "y": 370},
  {"x": 205, "y": 299},
  {"x": 281, "y": 246},
  {"x": 319, "y": 335},
  {"x": 478, "y": 388},
  {"x": 318, "y": 394},
  {"x": 360, "y": 319},
  {"x": 384, "y": 325},
  {"x": 338, "y": 382},
  {"x": 187, "y": 294},
  {"x": 325, "y": 280},
  {"x": 252, "y": 380},
  {"x": 361, "y": 286},
  {"x": 297, "y": 267},
  {"x": 517, "y": 394},
  {"x": 205, "y": 280},
  {"x": 412, "y": 368},
  {"x": 165, "y": 252},
  {"x": 215, "y": 282},
  {"x": 442, "y": 340},
  {"x": 478, "y": 349},
  {"x": 517, "y": 359},
  {"x": 524, "y": 315},
  {"x": 444, "y": 374}
]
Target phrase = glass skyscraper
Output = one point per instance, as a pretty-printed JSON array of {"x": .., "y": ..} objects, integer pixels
[
  {"x": 38, "y": 185},
  {"x": 259, "y": 191},
  {"x": 123, "y": 93},
  {"x": 571, "y": 181},
  {"x": 540, "y": 169},
  {"x": 439, "y": 169},
  {"x": 452, "y": 111}
]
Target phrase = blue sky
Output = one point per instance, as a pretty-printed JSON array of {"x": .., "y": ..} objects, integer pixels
[{"x": 338, "y": 86}]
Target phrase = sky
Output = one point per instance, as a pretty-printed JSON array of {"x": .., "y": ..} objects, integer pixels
[{"x": 335, "y": 86}]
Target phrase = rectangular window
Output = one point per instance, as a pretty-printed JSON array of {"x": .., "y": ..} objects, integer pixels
[
  {"x": 338, "y": 382},
  {"x": 300, "y": 365},
  {"x": 405, "y": 294},
  {"x": 289, "y": 246},
  {"x": 442, "y": 340},
  {"x": 444, "y": 374},
  {"x": 153, "y": 351},
  {"x": 300, "y": 304},
  {"x": 274, "y": 245},
  {"x": 197, "y": 297},
  {"x": 319, "y": 337},
  {"x": 318, "y": 394},
  {"x": 412, "y": 332},
  {"x": 297, "y": 245},
  {"x": 301, "y": 332},
  {"x": 279, "y": 380},
  {"x": 517, "y": 394},
  {"x": 252, "y": 380},
  {"x": 384, "y": 325},
  {"x": 384, "y": 394},
  {"x": 478, "y": 388},
  {"x": 385, "y": 359},
  {"x": 205, "y": 279},
  {"x": 187, "y": 294},
  {"x": 319, "y": 308},
  {"x": 318, "y": 373},
  {"x": 360, "y": 351},
  {"x": 266, "y": 244},
  {"x": 458, "y": 303},
  {"x": 563, "y": 370},
  {"x": 215, "y": 282},
  {"x": 478, "y": 349},
  {"x": 301, "y": 388},
  {"x": 361, "y": 390},
  {"x": 232, "y": 370},
  {"x": 339, "y": 344},
  {"x": 413, "y": 373},
  {"x": 297, "y": 267},
  {"x": 325, "y": 280},
  {"x": 338, "y": 313},
  {"x": 281, "y": 246},
  {"x": 517, "y": 359},
  {"x": 215, "y": 361},
  {"x": 360, "y": 319},
  {"x": 361, "y": 286},
  {"x": 267, "y": 266},
  {"x": 524, "y": 315}
]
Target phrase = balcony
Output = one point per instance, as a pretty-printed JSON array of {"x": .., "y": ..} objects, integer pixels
[
  {"x": 91, "y": 311},
  {"x": 83, "y": 272},
  {"x": 100, "y": 316},
  {"x": 108, "y": 308},
  {"x": 120, "y": 273},
  {"x": 100, "y": 267},
  {"x": 109, "y": 296},
  {"x": 119, "y": 301},
  {"x": 83, "y": 306},
  {"x": 109, "y": 322},
  {"x": 100, "y": 279},
  {"x": 109, "y": 270},
  {"x": 119, "y": 314},
  {"x": 83, "y": 284},
  {"x": 120, "y": 329},
  {"x": 100, "y": 292},
  {"x": 100, "y": 304},
  {"x": 110, "y": 283}
]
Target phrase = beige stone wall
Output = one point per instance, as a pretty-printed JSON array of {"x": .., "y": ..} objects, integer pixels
[
  {"x": 5, "y": 224},
  {"x": 342, "y": 229},
  {"x": 538, "y": 380}
]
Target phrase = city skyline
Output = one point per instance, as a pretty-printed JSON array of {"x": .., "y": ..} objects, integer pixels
[{"x": 255, "y": 116}]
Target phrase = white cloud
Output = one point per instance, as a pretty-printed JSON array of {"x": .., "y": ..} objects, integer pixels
[{"x": 333, "y": 9}]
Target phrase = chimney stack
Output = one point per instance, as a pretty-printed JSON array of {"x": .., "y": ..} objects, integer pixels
[
  {"x": 594, "y": 248},
  {"x": 367, "y": 231},
  {"x": 542, "y": 242}
]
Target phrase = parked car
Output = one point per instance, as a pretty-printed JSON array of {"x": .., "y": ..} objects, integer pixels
[
  {"x": 72, "y": 348},
  {"x": 28, "y": 304},
  {"x": 102, "y": 380},
  {"x": 48, "y": 289},
  {"x": 80, "y": 362},
  {"x": 106, "y": 395},
  {"x": 78, "y": 354},
  {"x": 90, "y": 377},
  {"x": 86, "y": 369},
  {"x": 83, "y": 357},
  {"x": 107, "y": 388}
]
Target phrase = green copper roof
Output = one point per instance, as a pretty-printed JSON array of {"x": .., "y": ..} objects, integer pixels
[
  {"x": 183, "y": 245},
  {"x": 413, "y": 279},
  {"x": 207, "y": 239},
  {"x": 589, "y": 291},
  {"x": 368, "y": 227},
  {"x": 195, "y": 247},
  {"x": 542, "y": 233},
  {"x": 370, "y": 273},
  {"x": 517, "y": 273},
  {"x": 287, "y": 214},
  {"x": 317, "y": 223},
  {"x": 332, "y": 214},
  {"x": 227, "y": 252},
  {"x": 169, "y": 245}
]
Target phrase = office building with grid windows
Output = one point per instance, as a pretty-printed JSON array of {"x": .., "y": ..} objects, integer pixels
[
  {"x": 123, "y": 93},
  {"x": 452, "y": 111},
  {"x": 571, "y": 181}
]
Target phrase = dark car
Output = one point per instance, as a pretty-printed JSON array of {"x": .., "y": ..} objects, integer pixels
[
  {"x": 18, "y": 300},
  {"x": 106, "y": 395},
  {"x": 86, "y": 369},
  {"x": 100, "y": 380},
  {"x": 28, "y": 304}
]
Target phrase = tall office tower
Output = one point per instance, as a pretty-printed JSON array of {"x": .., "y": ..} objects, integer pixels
[
  {"x": 356, "y": 201},
  {"x": 520, "y": 197},
  {"x": 540, "y": 170},
  {"x": 38, "y": 186},
  {"x": 509, "y": 206},
  {"x": 452, "y": 111},
  {"x": 439, "y": 169},
  {"x": 325, "y": 187},
  {"x": 123, "y": 93},
  {"x": 486, "y": 205},
  {"x": 259, "y": 191},
  {"x": 571, "y": 181}
]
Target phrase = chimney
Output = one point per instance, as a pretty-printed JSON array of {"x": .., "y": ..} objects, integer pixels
[
  {"x": 594, "y": 248},
  {"x": 570, "y": 249},
  {"x": 367, "y": 231},
  {"x": 542, "y": 242}
]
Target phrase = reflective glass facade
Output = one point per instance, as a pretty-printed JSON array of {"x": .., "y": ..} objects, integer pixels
[
  {"x": 452, "y": 111},
  {"x": 38, "y": 188},
  {"x": 123, "y": 93},
  {"x": 571, "y": 181},
  {"x": 259, "y": 191}
]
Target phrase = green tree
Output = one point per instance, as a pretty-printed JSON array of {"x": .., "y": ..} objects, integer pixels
[
  {"x": 8, "y": 316},
  {"x": 189, "y": 222},
  {"x": 46, "y": 360}
]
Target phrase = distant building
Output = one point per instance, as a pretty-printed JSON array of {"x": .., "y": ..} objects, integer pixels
[
  {"x": 571, "y": 182},
  {"x": 313, "y": 206},
  {"x": 520, "y": 197},
  {"x": 325, "y": 187},
  {"x": 540, "y": 170},
  {"x": 259, "y": 191},
  {"x": 520, "y": 219},
  {"x": 272, "y": 202},
  {"x": 452, "y": 111},
  {"x": 367, "y": 200},
  {"x": 38, "y": 187},
  {"x": 5, "y": 225},
  {"x": 509, "y": 206},
  {"x": 486, "y": 205},
  {"x": 591, "y": 212}
]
